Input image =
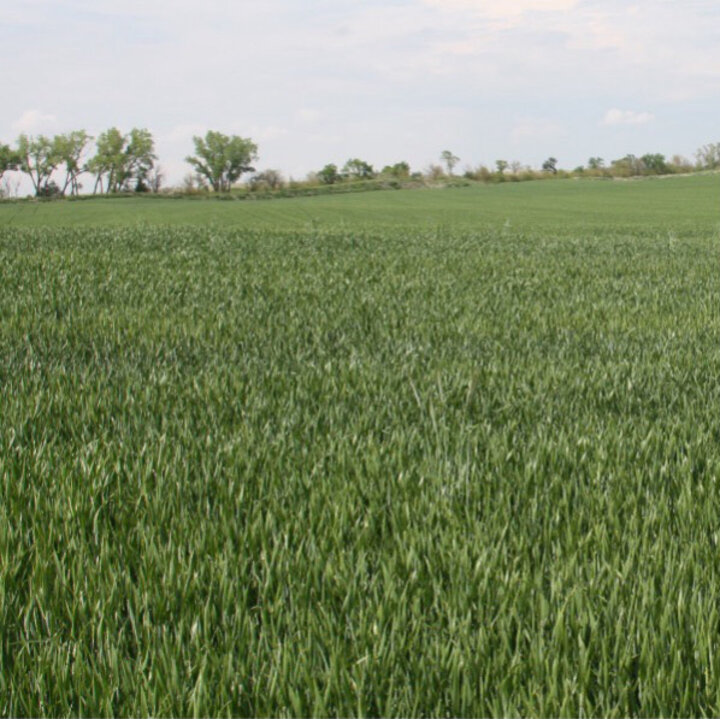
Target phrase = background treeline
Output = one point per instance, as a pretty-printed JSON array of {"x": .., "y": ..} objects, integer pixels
[{"x": 119, "y": 163}]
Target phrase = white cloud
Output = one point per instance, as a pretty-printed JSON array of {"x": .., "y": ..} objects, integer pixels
[
  {"x": 322, "y": 80},
  {"x": 32, "y": 121},
  {"x": 627, "y": 117}
]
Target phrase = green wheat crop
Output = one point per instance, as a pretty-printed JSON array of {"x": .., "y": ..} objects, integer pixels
[{"x": 418, "y": 470}]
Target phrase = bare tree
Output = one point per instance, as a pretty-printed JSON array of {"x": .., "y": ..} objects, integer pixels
[
  {"x": 272, "y": 179},
  {"x": 708, "y": 156},
  {"x": 155, "y": 179}
]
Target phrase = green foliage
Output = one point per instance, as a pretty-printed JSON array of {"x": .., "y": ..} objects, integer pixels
[
  {"x": 708, "y": 156},
  {"x": 550, "y": 165},
  {"x": 358, "y": 169},
  {"x": 140, "y": 153},
  {"x": 9, "y": 159},
  {"x": 38, "y": 158},
  {"x": 222, "y": 159},
  {"x": 400, "y": 170},
  {"x": 450, "y": 160},
  {"x": 109, "y": 159},
  {"x": 329, "y": 175},
  {"x": 70, "y": 148},
  {"x": 267, "y": 180},
  {"x": 628, "y": 166},
  {"x": 401, "y": 454},
  {"x": 654, "y": 163},
  {"x": 123, "y": 162}
]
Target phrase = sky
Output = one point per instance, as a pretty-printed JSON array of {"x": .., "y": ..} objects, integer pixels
[{"x": 319, "y": 81}]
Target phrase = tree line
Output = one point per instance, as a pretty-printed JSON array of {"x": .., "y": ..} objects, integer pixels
[
  {"x": 127, "y": 162},
  {"x": 122, "y": 162}
]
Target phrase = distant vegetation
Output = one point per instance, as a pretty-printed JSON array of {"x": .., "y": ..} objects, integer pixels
[{"x": 127, "y": 162}]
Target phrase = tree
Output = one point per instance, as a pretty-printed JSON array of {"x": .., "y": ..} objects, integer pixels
[
  {"x": 550, "y": 165},
  {"x": 37, "y": 158},
  {"x": 69, "y": 149},
  {"x": 628, "y": 166},
  {"x": 399, "y": 170},
  {"x": 139, "y": 160},
  {"x": 9, "y": 159},
  {"x": 358, "y": 169},
  {"x": 270, "y": 179},
  {"x": 680, "y": 164},
  {"x": 193, "y": 183},
  {"x": 501, "y": 166},
  {"x": 108, "y": 162},
  {"x": 155, "y": 179},
  {"x": 123, "y": 162},
  {"x": 434, "y": 173},
  {"x": 329, "y": 175},
  {"x": 655, "y": 163},
  {"x": 596, "y": 163},
  {"x": 708, "y": 156},
  {"x": 450, "y": 160},
  {"x": 222, "y": 159}
]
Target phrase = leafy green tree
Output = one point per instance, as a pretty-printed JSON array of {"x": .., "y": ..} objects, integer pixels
[
  {"x": 69, "y": 149},
  {"x": 550, "y": 165},
  {"x": 38, "y": 159},
  {"x": 596, "y": 163},
  {"x": 655, "y": 163},
  {"x": 222, "y": 159},
  {"x": 329, "y": 175},
  {"x": 399, "y": 170},
  {"x": 358, "y": 169},
  {"x": 628, "y": 166},
  {"x": 501, "y": 165},
  {"x": 450, "y": 160},
  {"x": 140, "y": 160},
  {"x": 9, "y": 159},
  {"x": 108, "y": 160},
  {"x": 122, "y": 160}
]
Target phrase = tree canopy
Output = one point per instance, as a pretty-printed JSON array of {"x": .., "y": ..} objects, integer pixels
[
  {"x": 38, "y": 159},
  {"x": 358, "y": 169},
  {"x": 8, "y": 159},
  {"x": 329, "y": 175},
  {"x": 450, "y": 160},
  {"x": 222, "y": 159},
  {"x": 123, "y": 162},
  {"x": 69, "y": 149}
]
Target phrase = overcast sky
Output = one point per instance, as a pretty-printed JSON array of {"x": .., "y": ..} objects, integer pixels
[{"x": 318, "y": 81}]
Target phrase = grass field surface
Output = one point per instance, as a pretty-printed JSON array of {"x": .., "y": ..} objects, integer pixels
[
  {"x": 676, "y": 203},
  {"x": 450, "y": 452}
]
